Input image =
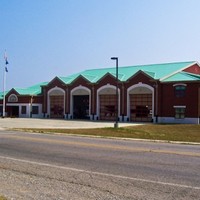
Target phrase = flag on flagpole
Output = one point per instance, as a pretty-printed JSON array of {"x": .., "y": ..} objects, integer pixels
[
  {"x": 6, "y": 61},
  {"x": 6, "y": 69}
]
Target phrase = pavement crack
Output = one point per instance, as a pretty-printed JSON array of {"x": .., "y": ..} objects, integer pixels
[{"x": 77, "y": 181}]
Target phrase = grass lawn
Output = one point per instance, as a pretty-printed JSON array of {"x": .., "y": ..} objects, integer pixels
[
  {"x": 185, "y": 133},
  {"x": 2, "y": 197}
]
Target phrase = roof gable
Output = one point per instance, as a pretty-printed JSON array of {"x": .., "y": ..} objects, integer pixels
[
  {"x": 149, "y": 75},
  {"x": 7, "y": 93},
  {"x": 79, "y": 78},
  {"x": 182, "y": 76},
  {"x": 54, "y": 80},
  {"x": 69, "y": 79},
  {"x": 177, "y": 67},
  {"x": 194, "y": 69},
  {"x": 107, "y": 76}
]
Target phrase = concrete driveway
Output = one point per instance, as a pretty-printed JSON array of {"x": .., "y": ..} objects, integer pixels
[{"x": 52, "y": 123}]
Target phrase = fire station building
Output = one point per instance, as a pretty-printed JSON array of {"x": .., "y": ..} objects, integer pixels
[{"x": 159, "y": 93}]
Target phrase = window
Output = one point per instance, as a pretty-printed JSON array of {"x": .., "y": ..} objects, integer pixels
[
  {"x": 179, "y": 112},
  {"x": 35, "y": 110},
  {"x": 23, "y": 110},
  {"x": 180, "y": 90},
  {"x": 12, "y": 98}
]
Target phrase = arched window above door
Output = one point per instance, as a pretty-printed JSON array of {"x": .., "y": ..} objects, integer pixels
[{"x": 13, "y": 98}]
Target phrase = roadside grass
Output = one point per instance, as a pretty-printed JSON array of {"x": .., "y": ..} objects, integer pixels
[
  {"x": 2, "y": 197},
  {"x": 176, "y": 132}
]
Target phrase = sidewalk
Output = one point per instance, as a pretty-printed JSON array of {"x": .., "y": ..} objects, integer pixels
[{"x": 52, "y": 123}]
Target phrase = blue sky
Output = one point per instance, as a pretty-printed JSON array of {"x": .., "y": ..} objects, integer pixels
[{"x": 48, "y": 38}]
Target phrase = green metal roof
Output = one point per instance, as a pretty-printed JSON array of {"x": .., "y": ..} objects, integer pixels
[
  {"x": 156, "y": 71},
  {"x": 1, "y": 94},
  {"x": 33, "y": 90},
  {"x": 166, "y": 72},
  {"x": 182, "y": 76}
]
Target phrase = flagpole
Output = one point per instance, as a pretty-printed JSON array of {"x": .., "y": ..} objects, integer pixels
[
  {"x": 4, "y": 92},
  {"x": 4, "y": 84}
]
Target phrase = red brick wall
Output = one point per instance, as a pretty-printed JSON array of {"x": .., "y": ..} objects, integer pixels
[
  {"x": 169, "y": 100},
  {"x": 195, "y": 69},
  {"x": 55, "y": 82}
]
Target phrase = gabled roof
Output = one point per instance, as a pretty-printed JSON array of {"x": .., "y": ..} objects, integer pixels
[
  {"x": 68, "y": 79},
  {"x": 32, "y": 90},
  {"x": 156, "y": 71},
  {"x": 166, "y": 72}
]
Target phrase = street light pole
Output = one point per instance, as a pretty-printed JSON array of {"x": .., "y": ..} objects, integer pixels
[{"x": 117, "y": 102}]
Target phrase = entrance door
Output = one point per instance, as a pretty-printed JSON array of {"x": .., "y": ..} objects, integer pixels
[
  {"x": 141, "y": 107},
  {"x": 81, "y": 106},
  {"x": 13, "y": 111}
]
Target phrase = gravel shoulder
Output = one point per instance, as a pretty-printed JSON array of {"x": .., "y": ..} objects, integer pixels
[
  {"x": 46, "y": 183},
  {"x": 24, "y": 181}
]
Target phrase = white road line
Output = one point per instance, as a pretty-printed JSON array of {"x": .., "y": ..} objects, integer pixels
[{"x": 99, "y": 173}]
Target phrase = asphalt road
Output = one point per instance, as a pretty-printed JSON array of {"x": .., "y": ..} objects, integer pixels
[{"x": 35, "y": 166}]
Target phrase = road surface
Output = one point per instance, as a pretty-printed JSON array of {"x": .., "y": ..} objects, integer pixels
[{"x": 36, "y": 166}]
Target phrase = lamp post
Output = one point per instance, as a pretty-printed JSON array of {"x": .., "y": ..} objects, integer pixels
[{"x": 117, "y": 103}]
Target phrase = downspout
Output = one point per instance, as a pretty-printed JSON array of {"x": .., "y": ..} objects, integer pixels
[
  {"x": 198, "y": 104},
  {"x": 67, "y": 102},
  {"x": 44, "y": 106},
  {"x": 122, "y": 97},
  {"x": 156, "y": 106},
  {"x": 93, "y": 99},
  {"x": 31, "y": 107}
]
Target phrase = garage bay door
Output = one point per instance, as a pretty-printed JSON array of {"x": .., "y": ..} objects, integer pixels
[
  {"x": 141, "y": 107},
  {"x": 107, "y": 107}
]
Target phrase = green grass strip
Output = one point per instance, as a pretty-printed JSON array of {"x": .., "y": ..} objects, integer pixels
[{"x": 184, "y": 133}]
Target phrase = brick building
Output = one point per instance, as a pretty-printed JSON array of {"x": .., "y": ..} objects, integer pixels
[{"x": 163, "y": 93}]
